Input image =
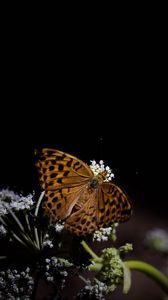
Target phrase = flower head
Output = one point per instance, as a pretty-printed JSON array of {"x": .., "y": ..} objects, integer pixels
[
  {"x": 15, "y": 284},
  {"x": 98, "y": 168},
  {"x": 10, "y": 200},
  {"x": 56, "y": 269},
  {"x": 59, "y": 226},
  {"x": 95, "y": 289},
  {"x": 103, "y": 234}
]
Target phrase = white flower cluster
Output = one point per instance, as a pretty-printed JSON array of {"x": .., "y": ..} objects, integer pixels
[
  {"x": 100, "y": 168},
  {"x": 47, "y": 241},
  {"x": 55, "y": 270},
  {"x": 97, "y": 289},
  {"x": 12, "y": 201},
  {"x": 16, "y": 285},
  {"x": 157, "y": 239},
  {"x": 59, "y": 226},
  {"x": 102, "y": 234}
]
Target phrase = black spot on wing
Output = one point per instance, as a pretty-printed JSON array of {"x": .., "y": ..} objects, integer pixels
[
  {"x": 58, "y": 205},
  {"x": 69, "y": 162},
  {"x": 51, "y": 168},
  {"x": 60, "y": 167},
  {"x": 55, "y": 199},
  {"x": 53, "y": 175}
]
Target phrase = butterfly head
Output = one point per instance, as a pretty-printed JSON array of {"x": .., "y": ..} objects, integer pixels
[
  {"x": 98, "y": 179},
  {"x": 101, "y": 174}
]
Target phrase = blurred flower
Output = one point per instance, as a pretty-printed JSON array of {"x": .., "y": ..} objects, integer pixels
[{"x": 157, "y": 239}]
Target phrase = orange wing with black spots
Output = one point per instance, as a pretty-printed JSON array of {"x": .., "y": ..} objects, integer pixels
[
  {"x": 113, "y": 205},
  {"x": 70, "y": 194},
  {"x": 59, "y": 169}
]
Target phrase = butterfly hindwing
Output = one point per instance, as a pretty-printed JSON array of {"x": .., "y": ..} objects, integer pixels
[
  {"x": 114, "y": 205},
  {"x": 84, "y": 220},
  {"x": 59, "y": 204}
]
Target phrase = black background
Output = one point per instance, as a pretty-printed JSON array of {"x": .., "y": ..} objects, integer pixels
[{"x": 97, "y": 92}]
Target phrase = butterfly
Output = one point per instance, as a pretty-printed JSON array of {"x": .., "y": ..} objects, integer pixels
[{"x": 75, "y": 195}]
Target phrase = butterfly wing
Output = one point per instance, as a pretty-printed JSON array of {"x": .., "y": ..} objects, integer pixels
[
  {"x": 113, "y": 205},
  {"x": 59, "y": 204},
  {"x": 84, "y": 220},
  {"x": 59, "y": 169},
  {"x": 63, "y": 177}
]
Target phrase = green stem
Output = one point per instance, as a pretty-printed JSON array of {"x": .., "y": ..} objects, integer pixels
[
  {"x": 16, "y": 220},
  {"x": 90, "y": 251},
  {"x": 38, "y": 203},
  {"x": 83, "y": 279},
  {"x": 150, "y": 271},
  {"x": 36, "y": 214},
  {"x": 14, "y": 236},
  {"x": 96, "y": 267},
  {"x": 27, "y": 222}
]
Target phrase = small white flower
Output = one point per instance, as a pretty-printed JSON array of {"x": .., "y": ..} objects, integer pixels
[
  {"x": 64, "y": 273},
  {"x": 48, "y": 243},
  {"x": 93, "y": 162},
  {"x": 50, "y": 278},
  {"x": 102, "y": 234},
  {"x": 99, "y": 168},
  {"x": 59, "y": 226}
]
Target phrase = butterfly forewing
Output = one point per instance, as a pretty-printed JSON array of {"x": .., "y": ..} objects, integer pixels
[
  {"x": 114, "y": 205},
  {"x": 57, "y": 169}
]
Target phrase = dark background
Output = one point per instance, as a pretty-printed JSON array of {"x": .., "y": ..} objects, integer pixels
[{"x": 100, "y": 95}]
